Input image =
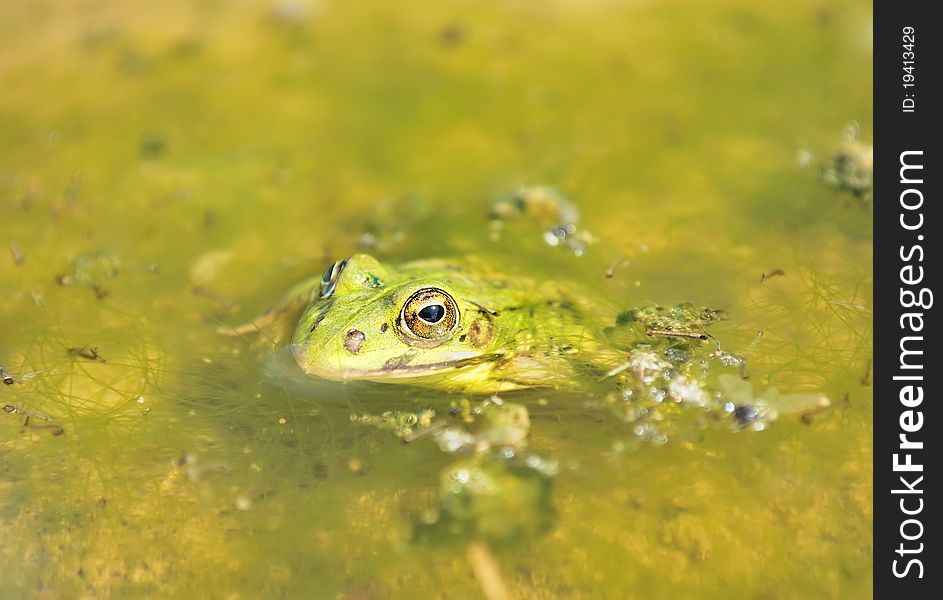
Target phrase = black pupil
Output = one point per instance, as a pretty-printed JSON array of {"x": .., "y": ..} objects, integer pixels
[{"x": 432, "y": 313}]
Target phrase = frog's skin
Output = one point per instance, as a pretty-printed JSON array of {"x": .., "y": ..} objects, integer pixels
[{"x": 485, "y": 332}]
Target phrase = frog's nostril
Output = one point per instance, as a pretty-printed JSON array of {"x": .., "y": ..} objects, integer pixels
[{"x": 354, "y": 341}]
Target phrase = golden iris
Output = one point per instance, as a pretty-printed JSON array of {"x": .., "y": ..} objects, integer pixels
[{"x": 429, "y": 313}]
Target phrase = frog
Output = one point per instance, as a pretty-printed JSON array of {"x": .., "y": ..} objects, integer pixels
[
  {"x": 451, "y": 324},
  {"x": 463, "y": 326}
]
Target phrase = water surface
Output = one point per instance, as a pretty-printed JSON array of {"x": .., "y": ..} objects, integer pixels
[{"x": 198, "y": 158}]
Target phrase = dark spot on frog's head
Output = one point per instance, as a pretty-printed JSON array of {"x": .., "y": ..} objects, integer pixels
[
  {"x": 462, "y": 337},
  {"x": 316, "y": 323},
  {"x": 480, "y": 332},
  {"x": 384, "y": 327},
  {"x": 354, "y": 341}
]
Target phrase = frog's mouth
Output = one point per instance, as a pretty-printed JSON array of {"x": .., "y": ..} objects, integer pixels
[{"x": 398, "y": 367}]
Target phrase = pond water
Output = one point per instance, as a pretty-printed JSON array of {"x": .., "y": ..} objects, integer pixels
[{"x": 169, "y": 168}]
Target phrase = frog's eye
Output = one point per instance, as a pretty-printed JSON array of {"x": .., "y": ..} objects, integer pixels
[
  {"x": 428, "y": 314},
  {"x": 330, "y": 277}
]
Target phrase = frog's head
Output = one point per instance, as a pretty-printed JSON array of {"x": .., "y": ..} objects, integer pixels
[{"x": 369, "y": 323}]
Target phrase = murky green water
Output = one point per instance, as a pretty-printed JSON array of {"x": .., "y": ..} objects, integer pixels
[{"x": 205, "y": 155}]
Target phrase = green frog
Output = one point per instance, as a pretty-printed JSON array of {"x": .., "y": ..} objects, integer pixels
[
  {"x": 456, "y": 325},
  {"x": 461, "y": 325}
]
